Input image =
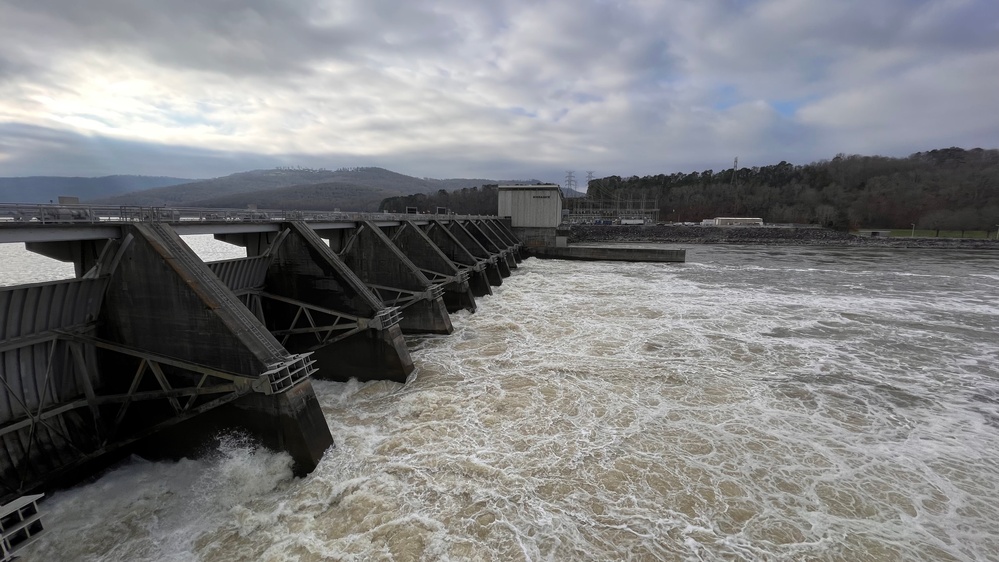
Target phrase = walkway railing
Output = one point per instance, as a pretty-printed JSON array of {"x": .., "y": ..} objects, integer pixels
[{"x": 90, "y": 214}]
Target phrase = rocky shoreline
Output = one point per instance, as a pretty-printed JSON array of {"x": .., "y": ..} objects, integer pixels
[{"x": 773, "y": 236}]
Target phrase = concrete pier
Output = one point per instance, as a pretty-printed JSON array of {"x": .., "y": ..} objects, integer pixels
[
  {"x": 496, "y": 250},
  {"x": 397, "y": 281},
  {"x": 291, "y": 421},
  {"x": 419, "y": 248},
  {"x": 184, "y": 310},
  {"x": 455, "y": 251},
  {"x": 313, "y": 301},
  {"x": 489, "y": 260},
  {"x": 497, "y": 232}
]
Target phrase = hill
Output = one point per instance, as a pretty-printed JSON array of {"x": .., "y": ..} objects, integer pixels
[
  {"x": 42, "y": 189},
  {"x": 350, "y": 189},
  {"x": 185, "y": 195},
  {"x": 313, "y": 197}
]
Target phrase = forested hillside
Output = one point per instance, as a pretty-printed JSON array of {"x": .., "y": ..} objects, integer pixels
[
  {"x": 949, "y": 188},
  {"x": 311, "y": 197},
  {"x": 479, "y": 200}
]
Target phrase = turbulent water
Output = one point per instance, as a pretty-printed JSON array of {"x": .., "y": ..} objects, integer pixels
[{"x": 752, "y": 404}]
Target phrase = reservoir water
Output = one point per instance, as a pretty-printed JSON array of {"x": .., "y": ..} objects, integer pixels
[{"x": 754, "y": 403}]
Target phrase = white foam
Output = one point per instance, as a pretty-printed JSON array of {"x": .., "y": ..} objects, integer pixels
[{"x": 608, "y": 411}]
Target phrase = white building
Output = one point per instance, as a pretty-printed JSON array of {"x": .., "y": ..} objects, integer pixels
[
  {"x": 531, "y": 206},
  {"x": 738, "y": 221}
]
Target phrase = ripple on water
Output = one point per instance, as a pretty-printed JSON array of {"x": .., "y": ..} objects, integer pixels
[{"x": 710, "y": 411}]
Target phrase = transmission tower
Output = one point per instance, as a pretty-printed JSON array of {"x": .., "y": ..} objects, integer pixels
[{"x": 570, "y": 181}]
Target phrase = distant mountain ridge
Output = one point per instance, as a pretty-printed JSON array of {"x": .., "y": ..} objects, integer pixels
[
  {"x": 42, "y": 189},
  {"x": 349, "y": 189},
  {"x": 311, "y": 197}
]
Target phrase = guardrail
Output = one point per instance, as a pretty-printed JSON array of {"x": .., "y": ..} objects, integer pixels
[
  {"x": 20, "y": 525},
  {"x": 92, "y": 214}
]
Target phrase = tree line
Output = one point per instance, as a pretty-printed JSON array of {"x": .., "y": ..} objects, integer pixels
[
  {"x": 951, "y": 188},
  {"x": 478, "y": 200}
]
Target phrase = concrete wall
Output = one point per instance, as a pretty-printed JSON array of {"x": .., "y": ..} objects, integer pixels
[
  {"x": 531, "y": 205},
  {"x": 535, "y": 237}
]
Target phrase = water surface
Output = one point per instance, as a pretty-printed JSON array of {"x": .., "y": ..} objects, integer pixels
[{"x": 755, "y": 403}]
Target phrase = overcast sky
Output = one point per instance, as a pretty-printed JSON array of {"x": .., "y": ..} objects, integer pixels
[{"x": 500, "y": 89}]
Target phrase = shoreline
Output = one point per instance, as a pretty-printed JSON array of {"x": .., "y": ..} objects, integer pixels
[{"x": 772, "y": 236}]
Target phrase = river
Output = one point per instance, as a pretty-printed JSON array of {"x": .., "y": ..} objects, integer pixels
[{"x": 754, "y": 403}]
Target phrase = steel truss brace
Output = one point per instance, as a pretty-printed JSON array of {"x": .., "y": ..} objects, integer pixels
[
  {"x": 403, "y": 298},
  {"x": 328, "y": 326}
]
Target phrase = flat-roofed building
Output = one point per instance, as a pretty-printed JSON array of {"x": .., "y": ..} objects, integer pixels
[
  {"x": 534, "y": 212},
  {"x": 738, "y": 221},
  {"x": 531, "y": 206}
]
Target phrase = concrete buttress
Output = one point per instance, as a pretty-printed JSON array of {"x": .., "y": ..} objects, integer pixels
[
  {"x": 162, "y": 299},
  {"x": 503, "y": 227},
  {"x": 491, "y": 227},
  {"x": 493, "y": 272},
  {"x": 485, "y": 237},
  {"x": 397, "y": 281},
  {"x": 478, "y": 280},
  {"x": 312, "y": 301},
  {"x": 432, "y": 261}
]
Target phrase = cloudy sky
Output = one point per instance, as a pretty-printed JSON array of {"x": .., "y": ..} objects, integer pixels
[{"x": 500, "y": 88}]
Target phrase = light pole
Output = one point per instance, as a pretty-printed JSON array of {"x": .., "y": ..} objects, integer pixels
[{"x": 913, "y": 231}]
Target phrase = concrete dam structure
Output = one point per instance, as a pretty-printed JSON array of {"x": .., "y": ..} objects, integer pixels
[{"x": 149, "y": 339}]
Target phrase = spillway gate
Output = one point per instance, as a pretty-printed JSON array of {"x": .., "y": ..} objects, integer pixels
[{"x": 150, "y": 341}]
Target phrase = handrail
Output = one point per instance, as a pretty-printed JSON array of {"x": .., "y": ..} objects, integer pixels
[{"x": 24, "y": 213}]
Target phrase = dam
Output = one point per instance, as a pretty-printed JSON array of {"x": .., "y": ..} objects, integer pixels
[
  {"x": 151, "y": 346},
  {"x": 149, "y": 339}
]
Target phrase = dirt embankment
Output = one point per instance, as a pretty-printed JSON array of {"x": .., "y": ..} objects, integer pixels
[{"x": 758, "y": 235}]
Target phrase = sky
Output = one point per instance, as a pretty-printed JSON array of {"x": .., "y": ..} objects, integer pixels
[{"x": 502, "y": 89}]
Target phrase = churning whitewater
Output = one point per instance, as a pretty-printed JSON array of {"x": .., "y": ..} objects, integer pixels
[{"x": 753, "y": 403}]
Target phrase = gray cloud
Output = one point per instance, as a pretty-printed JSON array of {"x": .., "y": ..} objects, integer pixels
[{"x": 506, "y": 88}]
